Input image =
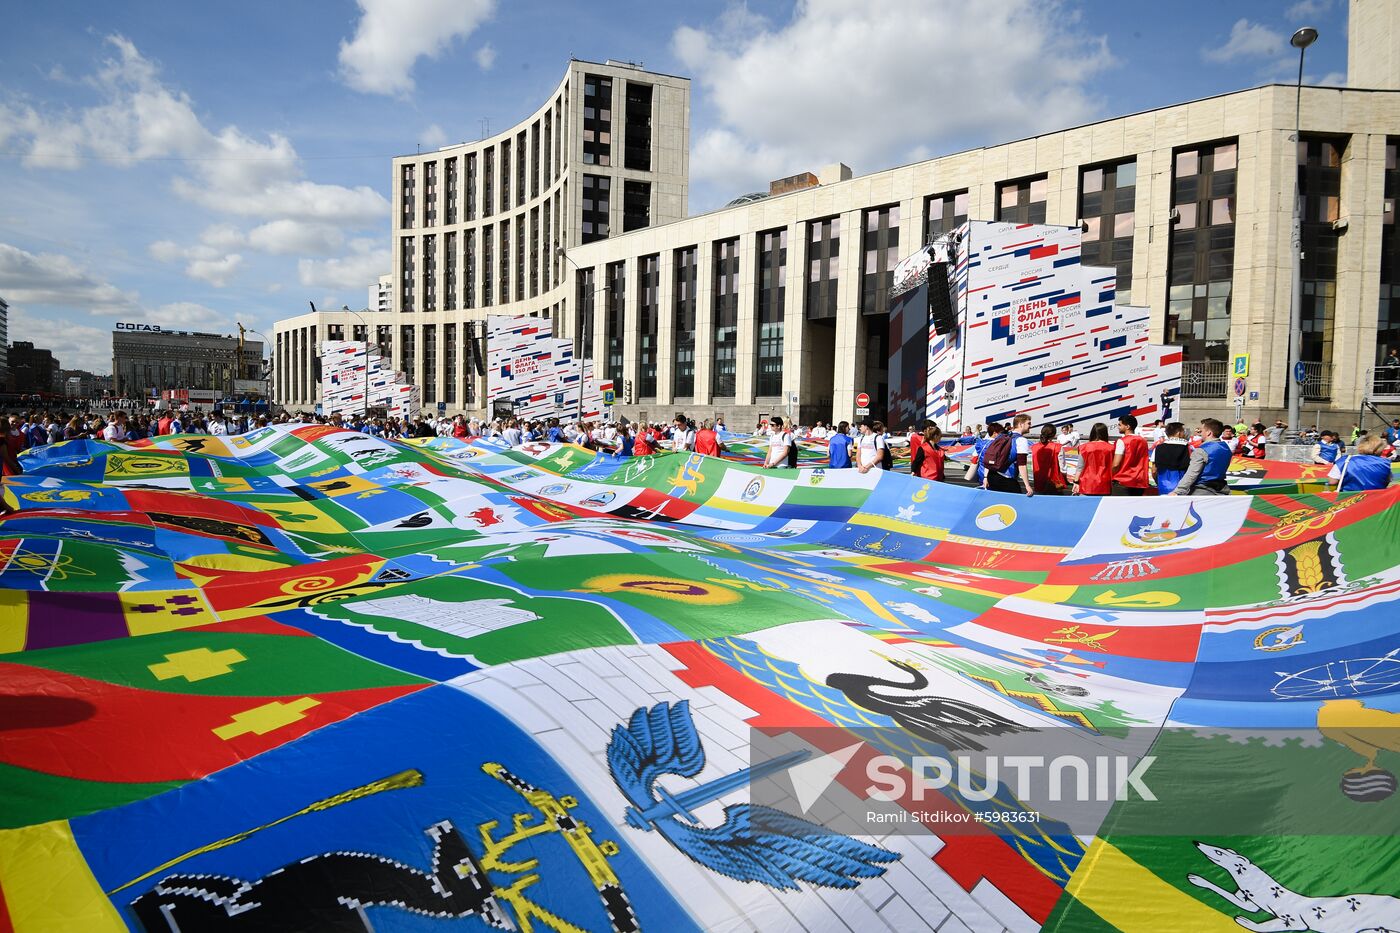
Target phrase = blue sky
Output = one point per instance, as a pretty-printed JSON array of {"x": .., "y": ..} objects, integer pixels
[{"x": 194, "y": 165}]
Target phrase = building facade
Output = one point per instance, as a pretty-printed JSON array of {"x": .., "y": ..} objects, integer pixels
[
  {"x": 296, "y": 350},
  {"x": 4, "y": 343},
  {"x": 742, "y": 310},
  {"x": 381, "y": 294},
  {"x": 147, "y": 360},
  {"x": 32, "y": 369},
  {"x": 80, "y": 383},
  {"x": 481, "y": 228}
]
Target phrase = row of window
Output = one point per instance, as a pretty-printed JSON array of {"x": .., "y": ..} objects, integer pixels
[
  {"x": 515, "y": 168},
  {"x": 541, "y": 271},
  {"x": 541, "y": 145}
]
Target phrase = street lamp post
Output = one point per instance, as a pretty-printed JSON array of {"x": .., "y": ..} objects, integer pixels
[
  {"x": 1301, "y": 40},
  {"x": 267, "y": 344}
]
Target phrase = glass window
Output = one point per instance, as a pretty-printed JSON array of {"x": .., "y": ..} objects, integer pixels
[
  {"x": 944, "y": 213},
  {"x": 1107, "y": 195},
  {"x": 1224, "y": 157},
  {"x": 597, "y": 119},
  {"x": 725, "y": 318},
  {"x": 824, "y": 258},
  {"x": 771, "y": 306},
  {"x": 683, "y": 311},
  {"x": 881, "y": 249},
  {"x": 1201, "y": 251},
  {"x": 1022, "y": 201}
]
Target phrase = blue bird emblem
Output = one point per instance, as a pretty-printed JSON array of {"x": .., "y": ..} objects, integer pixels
[{"x": 754, "y": 843}]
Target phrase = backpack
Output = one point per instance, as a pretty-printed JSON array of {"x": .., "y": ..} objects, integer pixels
[
  {"x": 792, "y": 453},
  {"x": 886, "y": 458},
  {"x": 997, "y": 457}
]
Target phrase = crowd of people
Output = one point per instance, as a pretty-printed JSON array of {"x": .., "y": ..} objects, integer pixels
[{"x": 1006, "y": 457}]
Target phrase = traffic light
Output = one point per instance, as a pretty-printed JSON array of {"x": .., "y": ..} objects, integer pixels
[{"x": 627, "y": 391}]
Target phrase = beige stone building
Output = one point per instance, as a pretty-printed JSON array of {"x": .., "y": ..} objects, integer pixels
[
  {"x": 1192, "y": 204},
  {"x": 482, "y": 228}
]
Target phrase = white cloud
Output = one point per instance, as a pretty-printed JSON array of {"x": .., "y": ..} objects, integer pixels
[
  {"x": 896, "y": 78},
  {"x": 293, "y": 200},
  {"x": 433, "y": 137},
  {"x": 295, "y": 237},
  {"x": 216, "y": 258},
  {"x": 1304, "y": 9},
  {"x": 1247, "y": 40},
  {"x": 77, "y": 346},
  {"x": 205, "y": 262},
  {"x": 188, "y": 314},
  {"x": 363, "y": 266},
  {"x": 57, "y": 281},
  {"x": 485, "y": 57},
  {"x": 223, "y": 236},
  {"x": 1333, "y": 79},
  {"x": 217, "y": 272},
  {"x": 140, "y": 117},
  {"x": 393, "y": 34}
]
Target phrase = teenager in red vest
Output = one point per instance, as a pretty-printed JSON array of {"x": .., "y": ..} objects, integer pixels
[
  {"x": 1049, "y": 479},
  {"x": 1130, "y": 459},
  {"x": 929, "y": 454},
  {"x": 1095, "y": 464},
  {"x": 643, "y": 446},
  {"x": 707, "y": 441}
]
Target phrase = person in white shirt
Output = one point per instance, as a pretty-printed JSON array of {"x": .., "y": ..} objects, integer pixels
[
  {"x": 682, "y": 438},
  {"x": 779, "y": 442},
  {"x": 512, "y": 434},
  {"x": 218, "y": 427},
  {"x": 1069, "y": 437},
  {"x": 870, "y": 448},
  {"x": 116, "y": 428},
  {"x": 819, "y": 433},
  {"x": 1230, "y": 439}
]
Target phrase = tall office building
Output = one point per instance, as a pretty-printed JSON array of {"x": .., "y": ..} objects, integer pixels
[
  {"x": 4, "y": 344},
  {"x": 381, "y": 294},
  {"x": 482, "y": 228}
]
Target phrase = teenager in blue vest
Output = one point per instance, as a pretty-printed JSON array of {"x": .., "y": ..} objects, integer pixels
[
  {"x": 1205, "y": 476},
  {"x": 838, "y": 447},
  {"x": 1328, "y": 448},
  {"x": 1365, "y": 469}
]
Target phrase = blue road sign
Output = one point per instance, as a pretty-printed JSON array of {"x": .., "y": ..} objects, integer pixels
[{"x": 1300, "y": 373}]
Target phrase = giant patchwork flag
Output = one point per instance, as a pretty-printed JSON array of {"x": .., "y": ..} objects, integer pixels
[{"x": 306, "y": 679}]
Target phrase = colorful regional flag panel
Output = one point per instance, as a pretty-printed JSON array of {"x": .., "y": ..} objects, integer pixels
[{"x": 306, "y": 679}]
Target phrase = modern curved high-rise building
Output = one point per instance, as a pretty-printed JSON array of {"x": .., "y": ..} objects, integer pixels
[{"x": 482, "y": 227}]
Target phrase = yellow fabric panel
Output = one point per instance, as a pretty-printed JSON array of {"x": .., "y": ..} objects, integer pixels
[{"x": 48, "y": 886}]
